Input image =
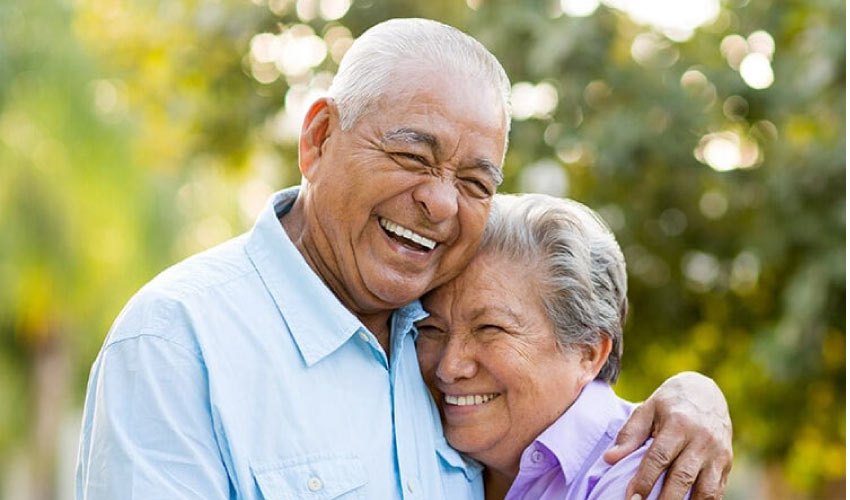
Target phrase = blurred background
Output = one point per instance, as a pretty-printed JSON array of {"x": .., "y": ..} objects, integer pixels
[{"x": 709, "y": 133}]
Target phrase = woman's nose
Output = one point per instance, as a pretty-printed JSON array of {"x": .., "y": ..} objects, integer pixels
[{"x": 457, "y": 361}]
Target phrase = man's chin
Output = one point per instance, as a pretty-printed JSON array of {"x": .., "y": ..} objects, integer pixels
[{"x": 400, "y": 291}]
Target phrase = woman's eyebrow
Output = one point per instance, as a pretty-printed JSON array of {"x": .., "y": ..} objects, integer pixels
[{"x": 478, "y": 313}]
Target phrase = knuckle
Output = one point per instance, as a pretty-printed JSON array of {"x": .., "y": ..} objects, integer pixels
[
  {"x": 683, "y": 475},
  {"x": 681, "y": 419},
  {"x": 642, "y": 484},
  {"x": 713, "y": 494},
  {"x": 659, "y": 456}
]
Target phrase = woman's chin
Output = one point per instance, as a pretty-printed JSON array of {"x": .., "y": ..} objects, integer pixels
[{"x": 470, "y": 442}]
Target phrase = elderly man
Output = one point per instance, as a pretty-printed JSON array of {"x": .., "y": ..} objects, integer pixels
[{"x": 281, "y": 364}]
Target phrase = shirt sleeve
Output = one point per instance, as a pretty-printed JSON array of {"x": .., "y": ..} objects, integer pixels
[
  {"x": 147, "y": 426},
  {"x": 612, "y": 484}
]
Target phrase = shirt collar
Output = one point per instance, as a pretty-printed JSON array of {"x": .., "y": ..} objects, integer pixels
[
  {"x": 575, "y": 435},
  {"x": 319, "y": 323},
  {"x": 471, "y": 468}
]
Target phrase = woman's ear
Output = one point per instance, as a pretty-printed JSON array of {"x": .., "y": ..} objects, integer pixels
[
  {"x": 593, "y": 358},
  {"x": 320, "y": 123}
]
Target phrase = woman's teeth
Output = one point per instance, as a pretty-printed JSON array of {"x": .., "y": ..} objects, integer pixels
[{"x": 472, "y": 399}]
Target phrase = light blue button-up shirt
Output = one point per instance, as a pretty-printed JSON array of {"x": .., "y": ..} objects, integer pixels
[{"x": 237, "y": 374}]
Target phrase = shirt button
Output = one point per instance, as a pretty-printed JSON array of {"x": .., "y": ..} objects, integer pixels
[
  {"x": 314, "y": 484},
  {"x": 536, "y": 456},
  {"x": 364, "y": 337}
]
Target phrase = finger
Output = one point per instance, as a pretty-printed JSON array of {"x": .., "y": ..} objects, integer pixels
[
  {"x": 633, "y": 434},
  {"x": 658, "y": 457},
  {"x": 681, "y": 476},
  {"x": 709, "y": 484}
]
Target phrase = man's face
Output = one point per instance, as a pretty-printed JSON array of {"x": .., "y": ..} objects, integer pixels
[{"x": 403, "y": 196}]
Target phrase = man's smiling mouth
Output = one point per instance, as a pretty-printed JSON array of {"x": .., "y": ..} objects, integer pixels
[{"x": 406, "y": 236}]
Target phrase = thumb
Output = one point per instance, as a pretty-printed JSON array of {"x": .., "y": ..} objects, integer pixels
[{"x": 633, "y": 434}]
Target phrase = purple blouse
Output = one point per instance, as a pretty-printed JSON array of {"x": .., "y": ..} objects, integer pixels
[{"x": 565, "y": 461}]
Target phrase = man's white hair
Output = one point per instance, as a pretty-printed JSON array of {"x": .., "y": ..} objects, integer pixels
[{"x": 365, "y": 71}]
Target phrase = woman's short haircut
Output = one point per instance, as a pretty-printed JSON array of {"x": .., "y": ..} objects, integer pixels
[{"x": 579, "y": 264}]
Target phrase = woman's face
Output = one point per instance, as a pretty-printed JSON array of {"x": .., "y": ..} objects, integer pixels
[{"x": 489, "y": 355}]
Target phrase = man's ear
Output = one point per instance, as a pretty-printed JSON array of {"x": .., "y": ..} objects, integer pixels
[
  {"x": 321, "y": 121},
  {"x": 593, "y": 358}
]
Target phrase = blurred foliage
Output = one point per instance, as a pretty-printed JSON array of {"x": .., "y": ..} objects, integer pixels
[{"x": 134, "y": 133}]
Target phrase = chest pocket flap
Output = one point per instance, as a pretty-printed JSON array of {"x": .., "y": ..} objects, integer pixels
[{"x": 315, "y": 477}]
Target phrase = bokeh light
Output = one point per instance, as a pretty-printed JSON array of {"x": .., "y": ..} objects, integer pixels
[
  {"x": 761, "y": 42},
  {"x": 734, "y": 48},
  {"x": 579, "y": 8},
  {"x": 545, "y": 176},
  {"x": 701, "y": 269},
  {"x": 756, "y": 71},
  {"x": 331, "y": 10},
  {"x": 676, "y": 19},
  {"x": 727, "y": 150},
  {"x": 533, "y": 101}
]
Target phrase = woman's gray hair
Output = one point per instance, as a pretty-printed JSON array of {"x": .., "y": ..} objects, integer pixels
[
  {"x": 579, "y": 264},
  {"x": 365, "y": 72}
]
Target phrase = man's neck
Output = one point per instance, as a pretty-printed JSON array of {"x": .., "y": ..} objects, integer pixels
[
  {"x": 377, "y": 322},
  {"x": 379, "y": 325}
]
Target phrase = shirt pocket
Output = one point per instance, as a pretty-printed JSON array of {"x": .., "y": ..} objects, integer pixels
[{"x": 314, "y": 477}]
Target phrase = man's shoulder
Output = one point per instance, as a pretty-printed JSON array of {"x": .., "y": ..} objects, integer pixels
[
  {"x": 198, "y": 273},
  {"x": 164, "y": 306}
]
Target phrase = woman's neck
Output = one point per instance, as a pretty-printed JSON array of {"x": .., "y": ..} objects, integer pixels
[{"x": 496, "y": 485}]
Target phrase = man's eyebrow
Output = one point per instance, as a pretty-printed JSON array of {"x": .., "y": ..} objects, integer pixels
[
  {"x": 410, "y": 135},
  {"x": 492, "y": 170}
]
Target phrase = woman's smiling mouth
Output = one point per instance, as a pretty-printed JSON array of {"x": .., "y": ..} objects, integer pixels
[{"x": 471, "y": 399}]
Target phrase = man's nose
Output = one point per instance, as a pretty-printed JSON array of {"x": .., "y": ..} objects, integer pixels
[
  {"x": 457, "y": 361},
  {"x": 437, "y": 197}
]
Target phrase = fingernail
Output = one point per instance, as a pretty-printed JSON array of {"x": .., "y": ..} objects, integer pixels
[{"x": 636, "y": 497}]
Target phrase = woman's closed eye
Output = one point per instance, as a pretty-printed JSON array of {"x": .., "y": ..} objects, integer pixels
[
  {"x": 491, "y": 329},
  {"x": 430, "y": 331}
]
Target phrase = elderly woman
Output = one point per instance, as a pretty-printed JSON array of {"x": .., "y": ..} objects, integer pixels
[{"x": 520, "y": 350}]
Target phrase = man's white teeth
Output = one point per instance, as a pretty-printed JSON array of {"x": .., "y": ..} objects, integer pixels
[
  {"x": 475, "y": 399},
  {"x": 407, "y": 233}
]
